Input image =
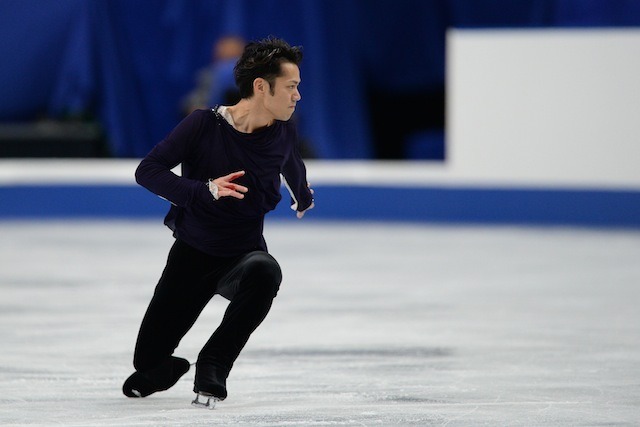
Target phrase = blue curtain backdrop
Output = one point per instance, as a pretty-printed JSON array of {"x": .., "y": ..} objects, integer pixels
[{"x": 128, "y": 63}]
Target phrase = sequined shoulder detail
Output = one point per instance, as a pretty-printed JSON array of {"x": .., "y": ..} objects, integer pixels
[{"x": 215, "y": 111}]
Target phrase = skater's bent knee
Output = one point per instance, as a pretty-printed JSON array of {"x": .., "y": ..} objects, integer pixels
[
  {"x": 265, "y": 268},
  {"x": 263, "y": 264}
]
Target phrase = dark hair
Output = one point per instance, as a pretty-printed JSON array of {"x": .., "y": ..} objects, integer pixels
[{"x": 263, "y": 59}]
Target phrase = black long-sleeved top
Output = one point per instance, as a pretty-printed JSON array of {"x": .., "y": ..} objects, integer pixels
[{"x": 207, "y": 146}]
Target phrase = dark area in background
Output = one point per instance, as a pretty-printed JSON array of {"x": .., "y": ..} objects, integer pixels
[
  {"x": 403, "y": 124},
  {"x": 50, "y": 138}
]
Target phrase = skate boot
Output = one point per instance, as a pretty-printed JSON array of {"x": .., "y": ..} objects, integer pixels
[
  {"x": 163, "y": 377},
  {"x": 210, "y": 385}
]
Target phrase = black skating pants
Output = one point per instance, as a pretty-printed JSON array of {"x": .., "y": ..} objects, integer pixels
[{"x": 189, "y": 281}]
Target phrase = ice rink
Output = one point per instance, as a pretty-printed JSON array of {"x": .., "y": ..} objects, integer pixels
[{"x": 375, "y": 324}]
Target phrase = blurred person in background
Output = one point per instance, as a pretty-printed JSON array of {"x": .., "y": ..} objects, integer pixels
[
  {"x": 215, "y": 84},
  {"x": 232, "y": 160}
]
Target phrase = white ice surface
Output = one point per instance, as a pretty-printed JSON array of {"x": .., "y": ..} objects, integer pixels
[{"x": 375, "y": 324}]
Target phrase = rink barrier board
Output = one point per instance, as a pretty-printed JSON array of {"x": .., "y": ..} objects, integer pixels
[{"x": 446, "y": 204}]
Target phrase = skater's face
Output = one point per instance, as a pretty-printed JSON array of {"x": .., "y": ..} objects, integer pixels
[{"x": 280, "y": 99}]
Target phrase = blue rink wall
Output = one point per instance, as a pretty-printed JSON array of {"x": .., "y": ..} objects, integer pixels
[
  {"x": 431, "y": 204},
  {"x": 78, "y": 196}
]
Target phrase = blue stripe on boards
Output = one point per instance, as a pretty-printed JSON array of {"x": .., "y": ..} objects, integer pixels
[
  {"x": 598, "y": 208},
  {"x": 482, "y": 205},
  {"x": 79, "y": 201}
]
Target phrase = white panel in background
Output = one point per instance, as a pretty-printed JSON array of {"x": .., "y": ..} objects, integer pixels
[{"x": 558, "y": 107}]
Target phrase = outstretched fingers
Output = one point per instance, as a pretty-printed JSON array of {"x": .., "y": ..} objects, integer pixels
[
  {"x": 232, "y": 176},
  {"x": 227, "y": 188},
  {"x": 232, "y": 190}
]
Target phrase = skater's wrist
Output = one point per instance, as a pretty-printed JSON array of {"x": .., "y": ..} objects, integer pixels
[{"x": 213, "y": 189}]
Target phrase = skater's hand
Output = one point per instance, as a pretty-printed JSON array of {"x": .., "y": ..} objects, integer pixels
[
  {"x": 226, "y": 188},
  {"x": 300, "y": 214}
]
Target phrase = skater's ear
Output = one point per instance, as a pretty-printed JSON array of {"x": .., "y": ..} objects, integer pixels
[{"x": 260, "y": 86}]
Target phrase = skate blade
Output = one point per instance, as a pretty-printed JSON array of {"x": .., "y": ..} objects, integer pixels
[{"x": 207, "y": 402}]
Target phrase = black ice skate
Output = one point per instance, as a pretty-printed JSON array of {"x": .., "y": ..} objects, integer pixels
[
  {"x": 142, "y": 384},
  {"x": 210, "y": 385}
]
